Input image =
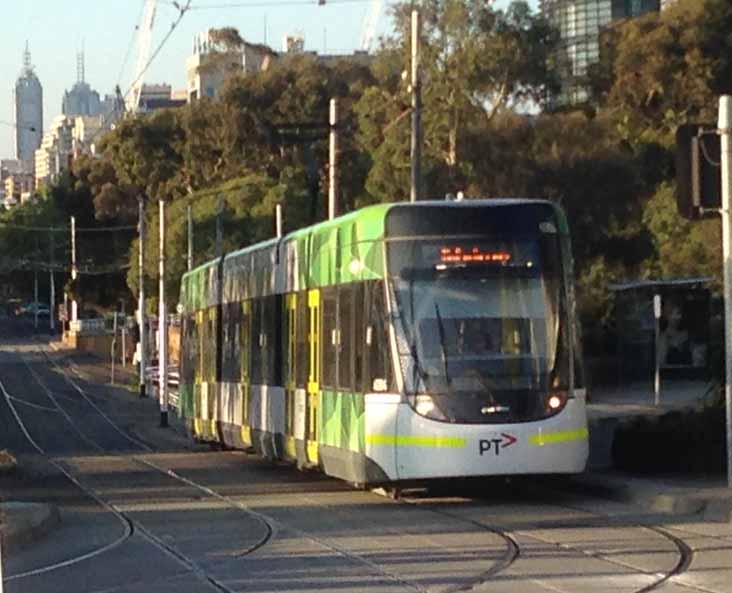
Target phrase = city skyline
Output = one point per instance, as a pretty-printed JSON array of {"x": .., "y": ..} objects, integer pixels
[{"x": 104, "y": 30}]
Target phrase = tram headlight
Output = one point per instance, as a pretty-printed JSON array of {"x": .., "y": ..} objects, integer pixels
[
  {"x": 425, "y": 406},
  {"x": 555, "y": 401}
]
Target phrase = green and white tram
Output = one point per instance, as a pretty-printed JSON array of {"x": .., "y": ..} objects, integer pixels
[{"x": 399, "y": 342}]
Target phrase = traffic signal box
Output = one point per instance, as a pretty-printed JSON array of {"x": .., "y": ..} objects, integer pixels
[{"x": 698, "y": 173}]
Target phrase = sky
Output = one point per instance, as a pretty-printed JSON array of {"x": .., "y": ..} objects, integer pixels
[{"x": 56, "y": 30}]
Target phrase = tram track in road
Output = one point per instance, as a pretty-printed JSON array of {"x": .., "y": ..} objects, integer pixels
[
  {"x": 684, "y": 551},
  {"x": 273, "y": 526},
  {"x": 499, "y": 565},
  {"x": 506, "y": 559},
  {"x": 130, "y": 525}
]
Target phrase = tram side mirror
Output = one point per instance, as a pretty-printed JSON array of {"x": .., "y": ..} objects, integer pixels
[{"x": 379, "y": 385}]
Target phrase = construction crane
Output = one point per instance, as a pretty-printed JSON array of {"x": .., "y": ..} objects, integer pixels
[
  {"x": 144, "y": 44},
  {"x": 371, "y": 21}
]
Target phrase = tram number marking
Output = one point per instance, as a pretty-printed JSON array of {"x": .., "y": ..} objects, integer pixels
[{"x": 494, "y": 445}]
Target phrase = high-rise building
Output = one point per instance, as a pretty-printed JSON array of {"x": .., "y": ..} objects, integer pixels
[
  {"x": 28, "y": 97},
  {"x": 579, "y": 23},
  {"x": 81, "y": 99},
  {"x": 53, "y": 157}
]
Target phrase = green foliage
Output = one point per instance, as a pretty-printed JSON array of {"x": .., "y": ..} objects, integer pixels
[
  {"x": 683, "y": 248},
  {"x": 247, "y": 217},
  {"x": 259, "y": 142},
  {"x": 665, "y": 69},
  {"x": 477, "y": 63}
]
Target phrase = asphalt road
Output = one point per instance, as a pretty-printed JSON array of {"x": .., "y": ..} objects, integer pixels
[{"x": 145, "y": 510}]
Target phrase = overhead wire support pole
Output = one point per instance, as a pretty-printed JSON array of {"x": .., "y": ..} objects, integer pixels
[
  {"x": 162, "y": 327},
  {"x": 52, "y": 284},
  {"x": 416, "y": 138},
  {"x": 189, "y": 258},
  {"x": 725, "y": 131},
  {"x": 142, "y": 326},
  {"x": 220, "y": 227},
  {"x": 333, "y": 161},
  {"x": 278, "y": 221},
  {"x": 35, "y": 286},
  {"x": 74, "y": 272}
]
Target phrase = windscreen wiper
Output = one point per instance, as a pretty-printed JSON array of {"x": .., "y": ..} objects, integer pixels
[{"x": 443, "y": 349}]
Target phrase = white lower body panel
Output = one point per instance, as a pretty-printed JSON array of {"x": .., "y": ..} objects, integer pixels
[{"x": 411, "y": 447}]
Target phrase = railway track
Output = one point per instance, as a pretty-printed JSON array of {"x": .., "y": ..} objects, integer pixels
[
  {"x": 507, "y": 548},
  {"x": 272, "y": 526}
]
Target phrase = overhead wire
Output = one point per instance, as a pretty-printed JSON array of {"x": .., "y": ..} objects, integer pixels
[
  {"x": 182, "y": 10},
  {"x": 131, "y": 43},
  {"x": 274, "y": 3}
]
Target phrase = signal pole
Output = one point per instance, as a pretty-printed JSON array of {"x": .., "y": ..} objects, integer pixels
[
  {"x": 416, "y": 140},
  {"x": 142, "y": 326},
  {"x": 725, "y": 131},
  {"x": 162, "y": 327}
]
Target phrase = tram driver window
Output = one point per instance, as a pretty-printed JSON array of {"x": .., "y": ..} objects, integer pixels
[{"x": 378, "y": 373}]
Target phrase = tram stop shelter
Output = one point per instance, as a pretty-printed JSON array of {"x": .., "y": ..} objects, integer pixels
[{"x": 680, "y": 336}]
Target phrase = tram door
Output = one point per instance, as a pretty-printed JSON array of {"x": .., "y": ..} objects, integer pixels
[
  {"x": 199, "y": 380},
  {"x": 314, "y": 330},
  {"x": 291, "y": 374},
  {"x": 244, "y": 352}
]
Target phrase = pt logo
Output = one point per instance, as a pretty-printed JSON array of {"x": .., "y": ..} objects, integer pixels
[{"x": 488, "y": 446}]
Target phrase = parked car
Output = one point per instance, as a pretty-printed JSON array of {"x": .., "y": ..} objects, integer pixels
[{"x": 30, "y": 309}]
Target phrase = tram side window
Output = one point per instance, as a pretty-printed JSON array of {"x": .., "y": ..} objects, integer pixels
[
  {"x": 345, "y": 337},
  {"x": 190, "y": 350},
  {"x": 302, "y": 335},
  {"x": 329, "y": 338},
  {"x": 379, "y": 372},
  {"x": 265, "y": 345},
  {"x": 208, "y": 344},
  {"x": 359, "y": 334},
  {"x": 231, "y": 371},
  {"x": 270, "y": 341},
  {"x": 255, "y": 341},
  {"x": 244, "y": 344}
]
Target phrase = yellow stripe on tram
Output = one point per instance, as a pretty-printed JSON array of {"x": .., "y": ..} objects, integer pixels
[
  {"x": 416, "y": 441},
  {"x": 562, "y": 436}
]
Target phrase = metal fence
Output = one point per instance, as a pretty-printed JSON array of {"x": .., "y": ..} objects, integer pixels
[{"x": 152, "y": 383}]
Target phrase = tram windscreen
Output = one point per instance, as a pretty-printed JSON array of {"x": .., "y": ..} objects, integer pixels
[{"x": 481, "y": 314}]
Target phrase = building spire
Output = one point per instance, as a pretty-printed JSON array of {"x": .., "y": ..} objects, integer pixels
[
  {"x": 27, "y": 67},
  {"x": 80, "y": 74}
]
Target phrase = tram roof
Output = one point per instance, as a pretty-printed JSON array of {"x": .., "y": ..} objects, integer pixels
[{"x": 377, "y": 214}]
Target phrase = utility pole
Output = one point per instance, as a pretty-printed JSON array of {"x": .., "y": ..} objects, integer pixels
[
  {"x": 725, "y": 130},
  {"x": 278, "y": 221},
  {"x": 1, "y": 566},
  {"x": 163, "y": 327},
  {"x": 141, "y": 296},
  {"x": 220, "y": 228},
  {"x": 416, "y": 140},
  {"x": 74, "y": 272},
  {"x": 333, "y": 161},
  {"x": 52, "y": 287},
  {"x": 189, "y": 260},
  {"x": 35, "y": 286}
]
